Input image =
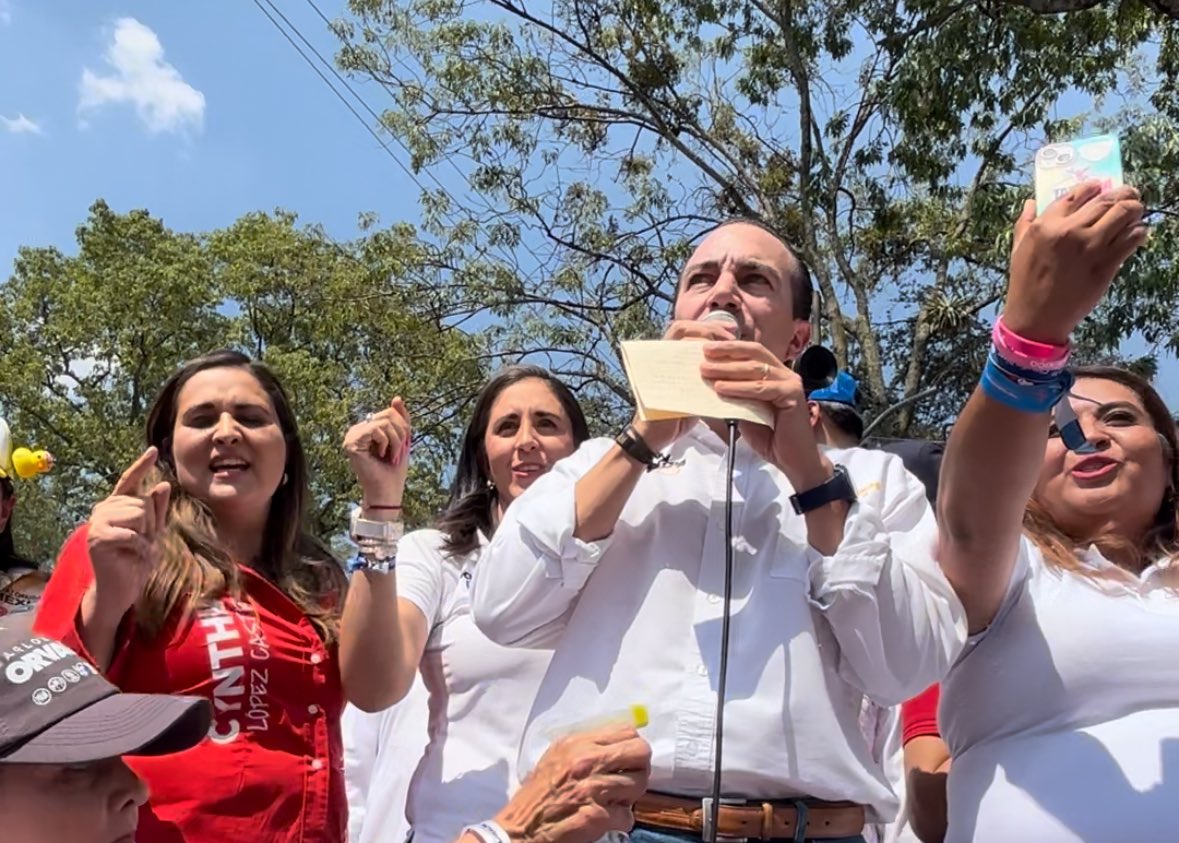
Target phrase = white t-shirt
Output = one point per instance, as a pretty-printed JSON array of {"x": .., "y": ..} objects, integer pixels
[
  {"x": 381, "y": 751},
  {"x": 1063, "y": 716},
  {"x": 479, "y": 697},
  {"x": 20, "y": 590}
]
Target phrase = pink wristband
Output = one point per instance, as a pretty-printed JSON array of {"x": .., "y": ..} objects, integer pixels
[{"x": 1028, "y": 353}]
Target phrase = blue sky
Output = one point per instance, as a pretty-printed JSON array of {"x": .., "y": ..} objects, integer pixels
[{"x": 199, "y": 112}]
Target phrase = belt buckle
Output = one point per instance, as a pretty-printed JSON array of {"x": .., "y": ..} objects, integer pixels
[{"x": 706, "y": 808}]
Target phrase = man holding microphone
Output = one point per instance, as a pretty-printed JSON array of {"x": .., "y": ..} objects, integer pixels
[{"x": 618, "y": 555}]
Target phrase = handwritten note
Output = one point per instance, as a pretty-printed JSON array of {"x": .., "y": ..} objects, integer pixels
[{"x": 665, "y": 378}]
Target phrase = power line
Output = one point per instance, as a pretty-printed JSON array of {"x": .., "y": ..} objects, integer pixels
[
  {"x": 373, "y": 71},
  {"x": 328, "y": 82},
  {"x": 508, "y": 260}
]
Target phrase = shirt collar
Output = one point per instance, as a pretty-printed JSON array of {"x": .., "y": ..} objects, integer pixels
[{"x": 1093, "y": 559}]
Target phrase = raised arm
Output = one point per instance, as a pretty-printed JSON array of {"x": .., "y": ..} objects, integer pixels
[
  {"x": 535, "y": 566},
  {"x": 1062, "y": 264},
  {"x": 896, "y": 619},
  {"x": 550, "y": 539},
  {"x": 382, "y": 636}
]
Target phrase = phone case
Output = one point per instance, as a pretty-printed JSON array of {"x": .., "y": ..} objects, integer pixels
[{"x": 1062, "y": 166}]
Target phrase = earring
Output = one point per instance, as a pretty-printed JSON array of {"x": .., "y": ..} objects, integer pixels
[
  {"x": 284, "y": 479},
  {"x": 491, "y": 486}
]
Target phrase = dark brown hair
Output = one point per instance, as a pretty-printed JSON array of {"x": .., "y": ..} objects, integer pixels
[
  {"x": 472, "y": 497},
  {"x": 802, "y": 288},
  {"x": 196, "y": 568},
  {"x": 1162, "y": 541}
]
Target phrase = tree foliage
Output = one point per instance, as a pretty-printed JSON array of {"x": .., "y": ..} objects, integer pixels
[
  {"x": 86, "y": 341},
  {"x": 890, "y": 143}
]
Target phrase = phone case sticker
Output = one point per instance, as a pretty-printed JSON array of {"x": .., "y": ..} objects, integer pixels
[{"x": 1062, "y": 166}]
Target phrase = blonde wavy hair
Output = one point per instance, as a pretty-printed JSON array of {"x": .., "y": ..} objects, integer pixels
[
  {"x": 1161, "y": 542},
  {"x": 196, "y": 568}
]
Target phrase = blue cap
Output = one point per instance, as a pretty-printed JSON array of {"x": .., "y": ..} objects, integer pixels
[{"x": 845, "y": 390}]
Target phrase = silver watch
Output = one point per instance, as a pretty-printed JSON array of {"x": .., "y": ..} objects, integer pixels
[{"x": 366, "y": 532}]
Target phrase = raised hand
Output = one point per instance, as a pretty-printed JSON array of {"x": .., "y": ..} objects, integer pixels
[
  {"x": 125, "y": 537},
  {"x": 1064, "y": 261},
  {"x": 378, "y": 451},
  {"x": 749, "y": 371},
  {"x": 659, "y": 434},
  {"x": 583, "y": 787}
]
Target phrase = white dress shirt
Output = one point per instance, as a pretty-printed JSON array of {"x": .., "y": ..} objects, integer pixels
[
  {"x": 381, "y": 751},
  {"x": 1063, "y": 716},
  {"x": 810, "y": 636},
  {"x": 479, "y": 696},
  {"x": 881, "y": 727}
]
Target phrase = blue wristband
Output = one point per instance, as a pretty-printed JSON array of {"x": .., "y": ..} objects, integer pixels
[
  {"x": 1023, "y": 389},
  {"x": 1035, "y": 392}
]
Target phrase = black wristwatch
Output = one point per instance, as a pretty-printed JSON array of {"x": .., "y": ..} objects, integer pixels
[
  {"x": 837, "y": 488},
  {"x": 638, "y": 450}
]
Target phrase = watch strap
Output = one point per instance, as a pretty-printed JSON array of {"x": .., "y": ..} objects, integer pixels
[
  {"x": 838, "y": 487},
  {"x": 635, "y": 447}
]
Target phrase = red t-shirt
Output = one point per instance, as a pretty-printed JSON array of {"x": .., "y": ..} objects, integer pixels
[
  {"x": 271, "y": 769},
  {"x": 919, "y": 715}
]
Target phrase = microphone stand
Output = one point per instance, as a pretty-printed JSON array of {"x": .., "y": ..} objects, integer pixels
[{"x": 713, "y": 812}]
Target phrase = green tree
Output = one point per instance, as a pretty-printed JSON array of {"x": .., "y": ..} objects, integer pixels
[
  {"x": 86, "y": 341},
  {"x": 890, "y": 143}
]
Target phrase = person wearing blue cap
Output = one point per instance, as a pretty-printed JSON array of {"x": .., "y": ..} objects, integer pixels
[{"x": 837, "y": 407}]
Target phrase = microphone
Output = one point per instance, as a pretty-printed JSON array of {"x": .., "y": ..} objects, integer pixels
[{"x": 724, "y": 317}]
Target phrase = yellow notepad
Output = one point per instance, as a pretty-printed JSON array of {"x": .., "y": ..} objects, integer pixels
[{"x": 665, "y": 379}]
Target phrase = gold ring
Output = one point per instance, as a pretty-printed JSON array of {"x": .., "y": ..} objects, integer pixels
[{"x": 765, "y": 371}]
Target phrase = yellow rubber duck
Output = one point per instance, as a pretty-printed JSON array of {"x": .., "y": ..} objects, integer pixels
[{"x": 25, "y": 463}]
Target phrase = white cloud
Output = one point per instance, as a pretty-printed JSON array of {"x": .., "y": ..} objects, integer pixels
[
  {"x": 162, "y": 99},
  {"x": 21, "y": 125}
]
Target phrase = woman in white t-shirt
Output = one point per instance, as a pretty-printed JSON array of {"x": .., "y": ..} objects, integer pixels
[
  {"x": 480, "y": 693},
  {"x": 1058, "y": 534}
]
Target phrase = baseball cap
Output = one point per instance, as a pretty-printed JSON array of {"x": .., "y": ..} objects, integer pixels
[
  {"x": 56, "y": 708},
  {"x": 845, "y": 389}
]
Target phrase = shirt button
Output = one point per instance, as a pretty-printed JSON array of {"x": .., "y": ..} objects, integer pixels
[
  {"x": 316, "y": 764},
  {"x": 313, "y": 709},
  {"x": 702, "y": 669},
  {"x": 714, "y": 598},
  {"x": 316, "y": 658}
]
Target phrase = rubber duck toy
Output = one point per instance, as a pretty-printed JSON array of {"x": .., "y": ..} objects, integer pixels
[{"x": 25, "y": 463}]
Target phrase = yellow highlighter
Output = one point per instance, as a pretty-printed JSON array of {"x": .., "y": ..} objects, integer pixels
[{"x": 632, "y": 715}]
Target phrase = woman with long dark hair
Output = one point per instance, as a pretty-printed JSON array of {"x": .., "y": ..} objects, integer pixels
[
  {"x": 197, "y": 576},
  {"x": 524, "y": 420},
  {"x": 1059, "y": 531}
]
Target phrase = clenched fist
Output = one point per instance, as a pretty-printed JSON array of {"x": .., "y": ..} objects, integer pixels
[{"x": 378, "y": 451}]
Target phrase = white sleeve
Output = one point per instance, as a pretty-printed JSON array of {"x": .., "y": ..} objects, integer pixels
[
  {"x": 898, "y": 623},
  {"x": 419, "y": 572},
  {"x": 533, "y": 570}
]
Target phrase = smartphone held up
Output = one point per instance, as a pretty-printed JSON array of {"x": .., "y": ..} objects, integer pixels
[{"x": 1059, "y": 167}]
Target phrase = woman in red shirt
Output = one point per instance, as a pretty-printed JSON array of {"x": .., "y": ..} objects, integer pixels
[{"x": 205, "y": 582}]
